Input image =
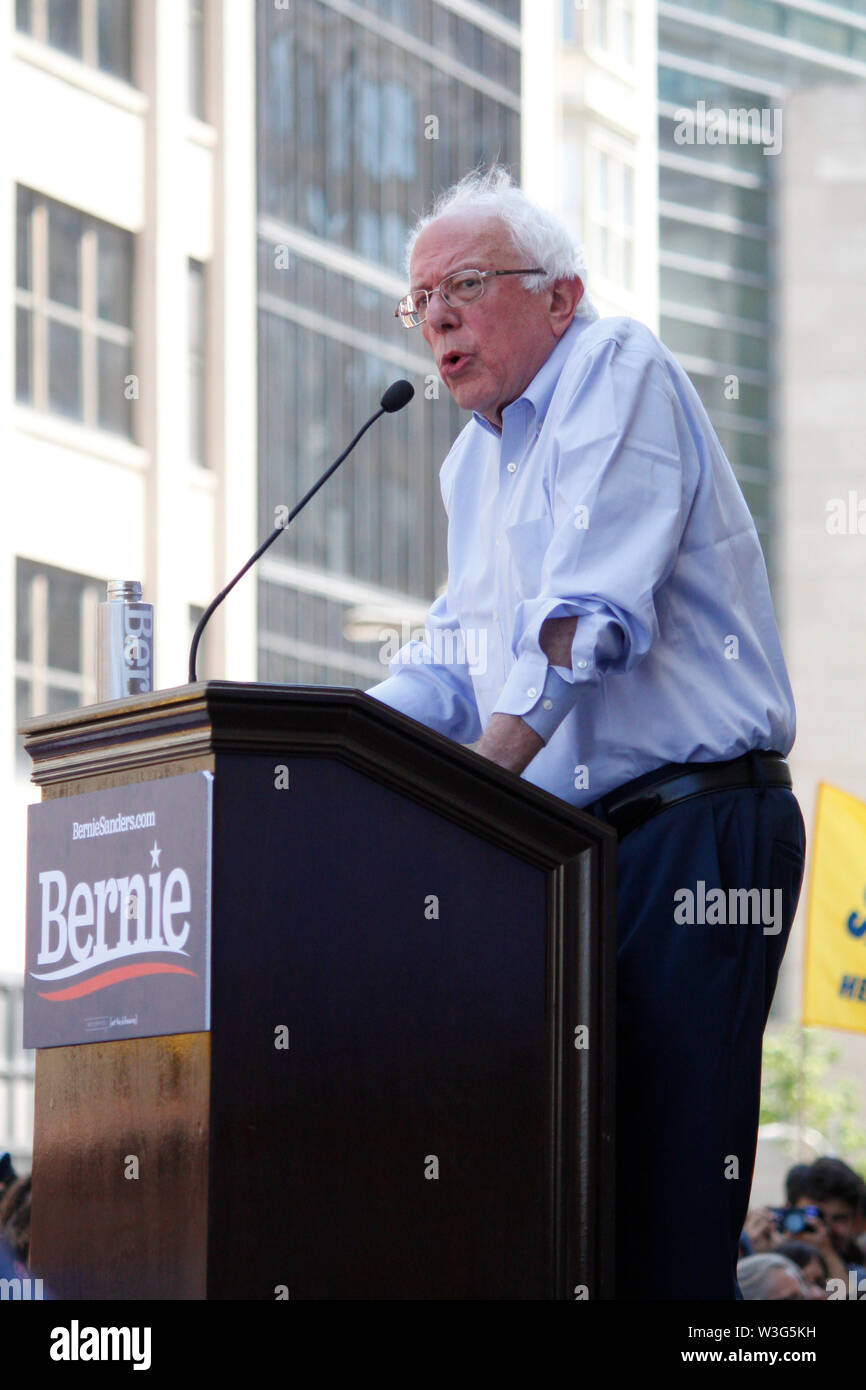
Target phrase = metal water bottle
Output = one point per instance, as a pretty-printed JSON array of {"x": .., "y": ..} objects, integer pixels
[{"x": 124, "y": 649}]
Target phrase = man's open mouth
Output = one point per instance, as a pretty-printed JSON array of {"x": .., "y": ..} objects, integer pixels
[{"x": 453, "y": 362}]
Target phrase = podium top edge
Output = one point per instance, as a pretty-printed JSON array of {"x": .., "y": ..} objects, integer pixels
[
  {"x": 192, "y": 723},
  {"x": 202, "y": 693}
]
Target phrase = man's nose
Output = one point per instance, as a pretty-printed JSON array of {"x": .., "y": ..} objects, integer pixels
[{"x": 440, "y": 315}]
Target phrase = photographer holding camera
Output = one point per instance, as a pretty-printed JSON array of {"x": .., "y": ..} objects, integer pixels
[
  {"x": 825, "y": 1205},
  {"x": 838, "y": 1194}
]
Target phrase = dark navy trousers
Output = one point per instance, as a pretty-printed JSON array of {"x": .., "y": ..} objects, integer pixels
[{"x": 692, "y": 1000}]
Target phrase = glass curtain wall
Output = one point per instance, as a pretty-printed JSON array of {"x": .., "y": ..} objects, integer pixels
[
  {"x": 365, "y": 111},
  {"x": 717, "y": 230}
]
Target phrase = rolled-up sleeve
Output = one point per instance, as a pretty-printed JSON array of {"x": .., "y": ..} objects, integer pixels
[
  {"x": 622, "y": 479},
  {"x": 431, "y": 681}
]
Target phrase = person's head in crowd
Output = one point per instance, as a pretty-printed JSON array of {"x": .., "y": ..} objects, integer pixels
[
  {"x": 15, "y": 1219},
  {"x": 7, "y": 1173},
  {"x": 794, "y": 1182},
  {"x": 834, "y": 1187},
  {"x": 10, "y": 1268},
  {"x": 771, "y": 1278},
  {"x": 811, "y": 1264},
  {"x": 860, "y": 1218}
]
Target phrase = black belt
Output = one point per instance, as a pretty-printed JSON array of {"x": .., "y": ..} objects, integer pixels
[{"x": 635, "y": 802}]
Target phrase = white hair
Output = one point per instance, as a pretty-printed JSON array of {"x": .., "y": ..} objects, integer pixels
[
  {"x": 536, "y": 234},
  {"x": 754, "y": 1275}
]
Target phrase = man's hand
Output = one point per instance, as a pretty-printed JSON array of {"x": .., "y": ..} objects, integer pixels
[
  {"x": 760, "y": 1227},
  {"x": 509, "y": 741}
]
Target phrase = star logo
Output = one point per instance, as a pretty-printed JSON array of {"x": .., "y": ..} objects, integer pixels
[{"x": 154, "y": 855}]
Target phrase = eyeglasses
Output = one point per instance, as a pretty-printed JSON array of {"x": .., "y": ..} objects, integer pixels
[{"x": 460, "y": 288}]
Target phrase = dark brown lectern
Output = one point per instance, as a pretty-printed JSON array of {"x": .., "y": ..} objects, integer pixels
[{"x": 433, "y": 940}]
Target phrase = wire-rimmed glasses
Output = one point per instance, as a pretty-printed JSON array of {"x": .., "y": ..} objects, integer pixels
[{"x": 462, "y": 287}]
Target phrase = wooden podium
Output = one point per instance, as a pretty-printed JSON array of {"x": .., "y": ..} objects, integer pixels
[{"x": 434, "y": 940}]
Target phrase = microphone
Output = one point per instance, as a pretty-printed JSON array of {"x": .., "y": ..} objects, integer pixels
[{"x": 397, "y": 395}]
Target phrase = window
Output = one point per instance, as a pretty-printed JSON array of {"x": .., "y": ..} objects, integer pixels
[
  {"x": 73, "y": 314},
  {"x": 195, "y": 40},
  {"x": 614, "y": 215},
  {"x": 614, "y": 29},
  {"x": 312, "y": 387},
  {"x": 355, "y": 130},
  {"x": 197, "y": 325},
  {"x": 571, "y": 164},
  {"x": 55, "y": 642},
  {"x": 571, "y": 16},
  {"x": 16, "y": 1078},
  {"x": 626, "y": 33},
  {"x": 98, "y": 32},
  {"x": 350, "y": 142}
]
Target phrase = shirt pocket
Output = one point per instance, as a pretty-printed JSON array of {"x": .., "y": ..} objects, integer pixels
[{"x": 528, "y": 542}]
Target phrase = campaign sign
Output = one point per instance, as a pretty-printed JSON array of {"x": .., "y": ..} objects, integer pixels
[{"x": 118, "y": 913}]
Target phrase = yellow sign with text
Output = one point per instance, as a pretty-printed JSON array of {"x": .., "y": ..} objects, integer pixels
[{"x": 834, "y": 988}]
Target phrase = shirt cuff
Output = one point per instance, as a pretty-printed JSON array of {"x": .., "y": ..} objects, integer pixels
[
  {"x": 556, "y": 699},
  {"x": 522, "y": 689},
  {"x": 416, "y": 691}
]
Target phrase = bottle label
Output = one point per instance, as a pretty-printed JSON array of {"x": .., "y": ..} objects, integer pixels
[
  {"x": 137, "y": 648},
  {"x": 124, "y": 654}
]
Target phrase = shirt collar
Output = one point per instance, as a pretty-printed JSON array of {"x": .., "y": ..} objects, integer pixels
[{"x": 537, "y": 395}]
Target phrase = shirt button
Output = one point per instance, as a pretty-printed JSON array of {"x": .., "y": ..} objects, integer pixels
[
  {"x": 512, "y": 467},
  {"x": 548, "y": 704},
  {"x": 532, "y": 690},
  {"x": 495, "y": 615},
  {"x": 582, "y": 665}
]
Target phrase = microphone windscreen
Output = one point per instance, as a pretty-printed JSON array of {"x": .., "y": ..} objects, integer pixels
[{"x": 398, "y": 394}]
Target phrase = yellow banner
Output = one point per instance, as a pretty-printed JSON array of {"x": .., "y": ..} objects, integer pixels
[{"x": 834, "y": 986}]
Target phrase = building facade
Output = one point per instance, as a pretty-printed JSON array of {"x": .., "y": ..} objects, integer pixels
[
  {"x": 725, "y": 71},
  {"x": 589, "y": 140},
  {"x": 127, "y": 362},
  {"x": 364, "y": 111},
  {"x": 655, "y": 129}
]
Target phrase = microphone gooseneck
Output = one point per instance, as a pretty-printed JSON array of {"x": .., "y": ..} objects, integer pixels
[{"x": 397, "y": 395}]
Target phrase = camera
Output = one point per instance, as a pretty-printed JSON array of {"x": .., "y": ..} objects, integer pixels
[{"x": 792, "y": 1221}]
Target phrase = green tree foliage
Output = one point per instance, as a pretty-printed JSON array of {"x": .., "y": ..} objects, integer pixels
[{"x": 795, "y": 1089}]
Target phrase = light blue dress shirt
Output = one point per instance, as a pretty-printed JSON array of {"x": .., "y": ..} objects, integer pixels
[{"x": 607, "y": 496}]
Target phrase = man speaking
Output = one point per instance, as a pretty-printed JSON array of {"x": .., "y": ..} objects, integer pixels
[{"x": 602, "y": 559}]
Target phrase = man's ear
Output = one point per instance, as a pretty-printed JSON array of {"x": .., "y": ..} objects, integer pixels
[{"x": 565, "y": 295}]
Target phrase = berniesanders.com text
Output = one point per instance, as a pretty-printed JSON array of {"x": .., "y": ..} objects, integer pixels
[{"x": 112, "y": 825}]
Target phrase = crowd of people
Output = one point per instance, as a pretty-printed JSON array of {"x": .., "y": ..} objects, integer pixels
[
  {"x": 814, "y": 1247},
  {"x": 14, "y": 1220}
]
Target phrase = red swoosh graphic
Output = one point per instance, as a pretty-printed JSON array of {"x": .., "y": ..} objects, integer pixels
[{"x": 112, "y": 977}]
